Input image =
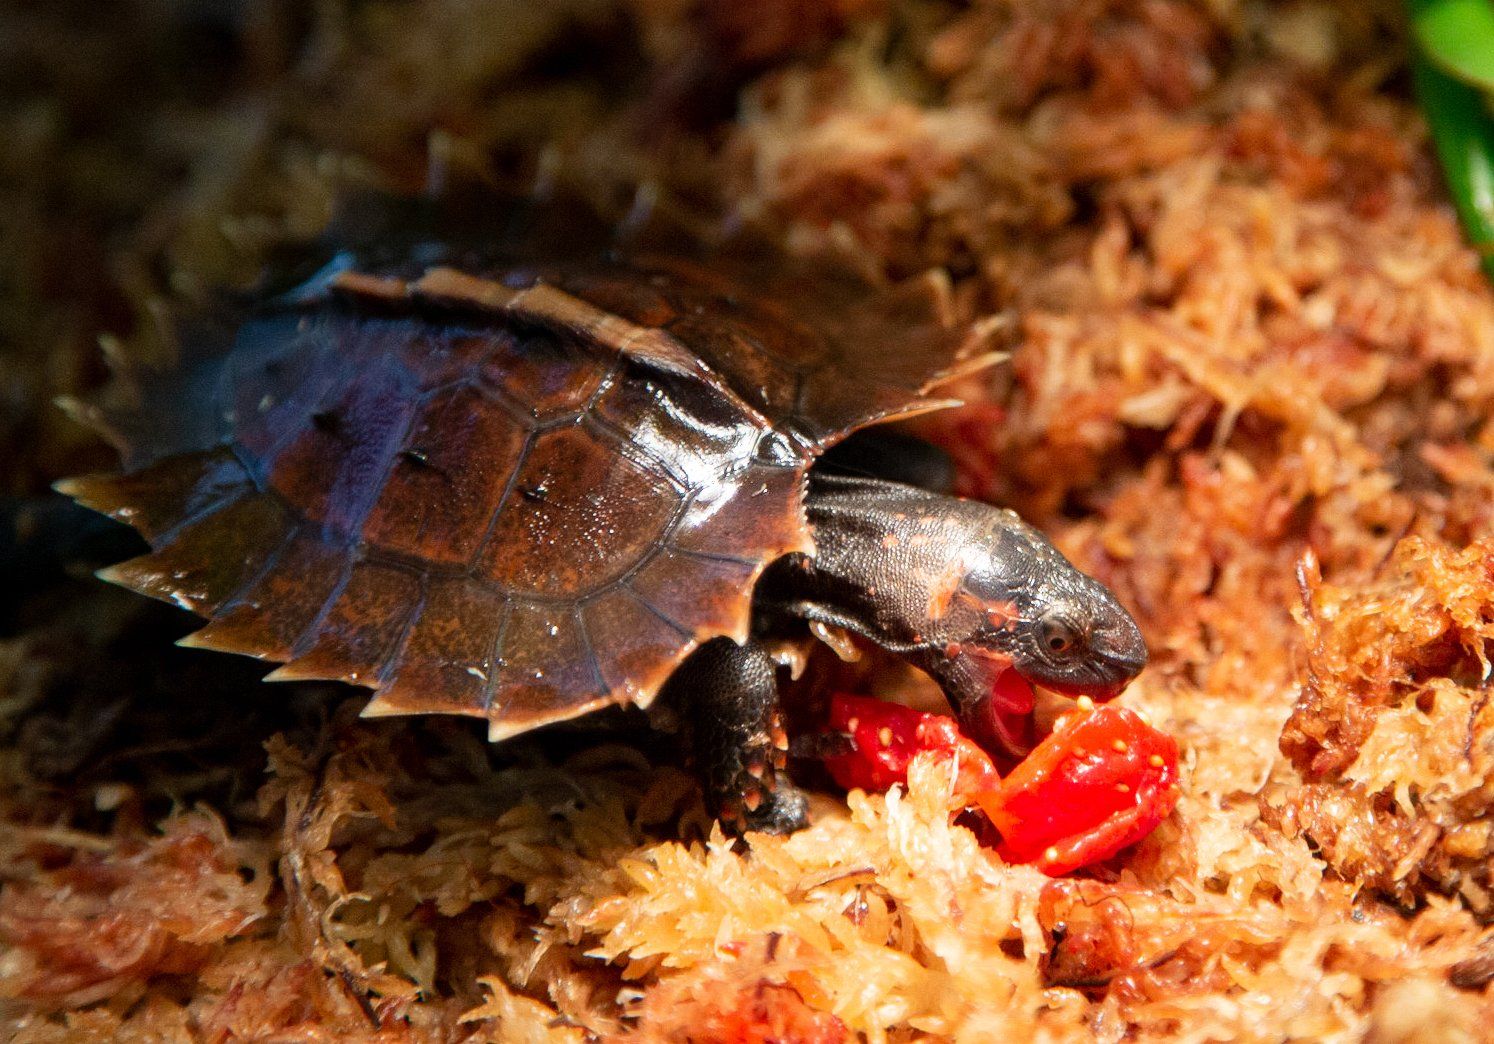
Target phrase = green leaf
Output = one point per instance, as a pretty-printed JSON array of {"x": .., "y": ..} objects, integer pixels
[
  {"x": 1463, "y": 133},
  {"x": 1458, "y": 35}
]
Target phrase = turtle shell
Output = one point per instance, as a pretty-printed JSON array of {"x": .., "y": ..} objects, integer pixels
[{"x": 514, "y": 487}]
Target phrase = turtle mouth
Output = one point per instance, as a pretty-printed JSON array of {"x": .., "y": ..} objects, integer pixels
[
  {"x": 1006, "y": 718},
  {"x": 1002, "y": 720}
]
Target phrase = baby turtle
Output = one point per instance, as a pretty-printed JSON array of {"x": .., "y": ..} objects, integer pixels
[{"x": 529, "y": 481}]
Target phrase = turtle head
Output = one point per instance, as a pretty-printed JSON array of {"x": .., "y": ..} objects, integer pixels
[
  {"x": 1016, "y": 613},
  {"x": 1061, "y": 628},
  {"x": 969, "y": 593}
]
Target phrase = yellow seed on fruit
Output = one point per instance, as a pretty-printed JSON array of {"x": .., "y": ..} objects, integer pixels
[
  {"x": 884, "y": 736},
  {"x": 1156, "y": 761},
  {"x": 1123, "y": 788},
  {"x": 1120, "y": 746},
  {"x": 1050, "y": 856},
  {"x": 1085, "y": 704},
  {"x": 853, "y": 724}
]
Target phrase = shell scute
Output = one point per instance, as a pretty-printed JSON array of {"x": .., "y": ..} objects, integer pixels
[
  {"x": 760, "y": 377},
  {"x": 638, "y": 300},
  {"x": 750, "y": 517},
  {"x": 683, "y": 427},
  {"x": 438, "y": 356},
  {"x": 712, "y": 314},
  {"x": 370, "y": 609},
  {"x": 155, "y": 499},
  {"x": 680, "y": 585},
  {"x": 636, "y": 649},
  {"x": 335, "y": 462},
  {"x": 447, "y": 662},
  {"x": 543, "y": 373},
  {"x": 297, "y": 586},
  {"x": 448, "y": 478},
  {"x": 275, "y": 379},
  {"x": 212, "y": 558},
  {"x": 580, "y": 514},
  {"x": 546, "y": 670}
]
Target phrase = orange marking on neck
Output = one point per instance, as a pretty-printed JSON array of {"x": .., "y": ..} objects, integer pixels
[{"x": 944, "y": 590}]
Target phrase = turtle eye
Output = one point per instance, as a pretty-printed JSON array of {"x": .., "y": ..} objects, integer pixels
[{"x": 1058, "y": 635}]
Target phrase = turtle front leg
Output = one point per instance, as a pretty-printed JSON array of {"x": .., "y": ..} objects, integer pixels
[{"x": 728, "y": 695}]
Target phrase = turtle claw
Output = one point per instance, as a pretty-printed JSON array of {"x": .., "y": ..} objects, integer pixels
[{"x": 781, "y": 810}]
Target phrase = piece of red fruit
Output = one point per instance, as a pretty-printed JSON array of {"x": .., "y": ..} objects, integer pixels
[
  {"x": 884, "y": 739},
  {"x": 1101, "y": 781}
]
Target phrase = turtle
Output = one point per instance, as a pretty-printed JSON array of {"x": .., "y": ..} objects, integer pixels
[{"x": 530, "y": 473}]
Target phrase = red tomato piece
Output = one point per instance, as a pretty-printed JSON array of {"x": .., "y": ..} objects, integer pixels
[
  {"x": 885, "y": 737},
  {"x": 1103, "y": 780}
]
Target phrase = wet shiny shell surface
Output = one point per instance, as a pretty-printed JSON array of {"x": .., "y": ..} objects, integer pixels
[{"x": 511, "y": 491}]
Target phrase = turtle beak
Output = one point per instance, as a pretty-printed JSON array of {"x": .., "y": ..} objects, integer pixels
[{"x": 1119, "y": 654}]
